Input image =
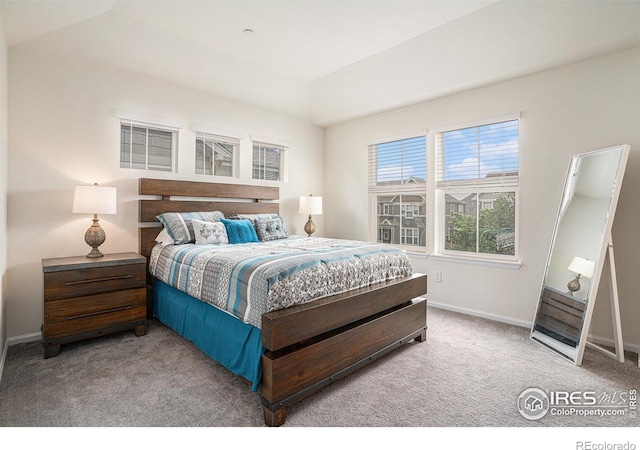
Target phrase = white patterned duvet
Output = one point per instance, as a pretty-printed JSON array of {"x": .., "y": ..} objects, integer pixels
[{"x": 248, "y": 280}]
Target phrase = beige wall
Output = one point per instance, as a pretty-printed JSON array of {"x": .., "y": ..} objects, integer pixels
[
  {"x": 587, "y": 106},
  {"x": 3, "y": 193},
  {"x": 64, "y": 131}
]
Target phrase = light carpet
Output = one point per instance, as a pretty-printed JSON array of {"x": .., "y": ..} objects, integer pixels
[{"x": 468, "y": 373}]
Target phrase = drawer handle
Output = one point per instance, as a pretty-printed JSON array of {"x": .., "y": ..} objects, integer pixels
[
  {"x": 98, "y": 280},
  {"x": 81, "y": 316}
]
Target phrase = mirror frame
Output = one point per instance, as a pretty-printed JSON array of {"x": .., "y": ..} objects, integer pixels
[{"x": 605, "y": 253}]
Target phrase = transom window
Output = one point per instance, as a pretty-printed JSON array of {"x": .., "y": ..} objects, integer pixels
[
  {"x": 147, "y": 147},
  {"x": 268, "y": 162},
  {"x": 216, "y": 155}
]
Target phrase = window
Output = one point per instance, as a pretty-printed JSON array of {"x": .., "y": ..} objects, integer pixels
[
  {"x": 216, "y": 155},
  {"x": 268, "y": 162},
  {"x": 477, "y": 182},
  {"x": 409, "y": 210},
  {"x": 147, "y": 147},
  {"x": 410, "y": 236},
  {"x": 397, "y": 187}
]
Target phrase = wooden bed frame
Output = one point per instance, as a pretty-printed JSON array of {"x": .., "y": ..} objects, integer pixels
[{"x": 311, "y": 345}]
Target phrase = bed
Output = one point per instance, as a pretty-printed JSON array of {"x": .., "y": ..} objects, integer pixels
[{"x": 286, "y": 346}]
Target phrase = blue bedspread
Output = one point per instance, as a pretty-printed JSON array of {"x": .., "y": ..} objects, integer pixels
[{"x": 234, "y": 344}]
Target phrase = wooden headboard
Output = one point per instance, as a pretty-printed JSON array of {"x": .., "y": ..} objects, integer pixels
[{"x": 186, "y": 196}]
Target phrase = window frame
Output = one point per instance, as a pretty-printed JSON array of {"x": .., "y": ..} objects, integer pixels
[
  {"x": 504, "y": 183},
  {"x": 216, "y": 138},
  {"x": 375, "y": 191},
  {"x": 261, "y": 144},
  {"x": 147, "y": 126}
]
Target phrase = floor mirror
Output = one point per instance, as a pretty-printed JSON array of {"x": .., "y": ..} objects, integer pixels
[{"x": 581, "y": 249}]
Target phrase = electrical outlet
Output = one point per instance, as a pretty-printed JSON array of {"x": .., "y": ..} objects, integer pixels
[{"x": 438, "y": 277}]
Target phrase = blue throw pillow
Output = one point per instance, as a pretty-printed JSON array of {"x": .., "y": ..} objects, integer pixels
[{"x": 240, "y": 231}]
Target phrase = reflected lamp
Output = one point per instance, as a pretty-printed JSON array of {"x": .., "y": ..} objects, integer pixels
[
  {"x": 94, "y": 200},
  {"x": 310, "y": 205},
  {"x": 581, "y": 267}
]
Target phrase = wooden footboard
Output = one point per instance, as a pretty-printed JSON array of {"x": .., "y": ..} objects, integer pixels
[{"x": 312, "y": 345}]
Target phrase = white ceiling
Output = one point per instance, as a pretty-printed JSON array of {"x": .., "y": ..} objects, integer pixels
[{"x": 325, "y": 61}]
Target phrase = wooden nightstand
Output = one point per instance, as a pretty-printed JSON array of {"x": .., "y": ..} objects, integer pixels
[{"x": 85, "y": 298}]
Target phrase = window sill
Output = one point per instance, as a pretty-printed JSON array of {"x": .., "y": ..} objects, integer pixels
[
  {"x": 506, "y": 264},
  {"x": 416, "y": 254}
]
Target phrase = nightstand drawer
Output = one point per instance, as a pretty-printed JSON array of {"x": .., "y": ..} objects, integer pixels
[
  {"x": 82, "y": 315},
  {"x": 78, "y": 283}
]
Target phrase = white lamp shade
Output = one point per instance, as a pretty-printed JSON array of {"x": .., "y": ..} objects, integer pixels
[
  {"x": 310, "y": 205},
  {"x": 94, "y": 200},
  {"x": 582, "y": 266}
]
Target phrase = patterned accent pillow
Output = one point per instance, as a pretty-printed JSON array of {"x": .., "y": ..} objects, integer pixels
[
  {"x": 209, "y": 232},
  {"x": 240, "y": 231},
  {"x": 270, "y": 229},
  {"x": 254, "y": 217},
  {"x": 179, "y": 226}
]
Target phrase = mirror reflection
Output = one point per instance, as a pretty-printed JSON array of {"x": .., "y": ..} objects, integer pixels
[{"x": 580, "y": 240}]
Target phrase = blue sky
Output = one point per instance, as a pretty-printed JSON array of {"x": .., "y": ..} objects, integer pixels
[
  {"x": 402, "y": 159},
  {"x": 469, "y": 153},
  {"x": 474, "y": 152}
]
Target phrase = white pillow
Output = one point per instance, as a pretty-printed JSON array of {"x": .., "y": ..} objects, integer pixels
[
  {"x": 209, "y": 232},
  {"x": 163, "y": 238}
]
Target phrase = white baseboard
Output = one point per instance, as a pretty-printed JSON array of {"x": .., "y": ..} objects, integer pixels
[
  {"x": 484, "y": 315},
  {"x": 23, "y": 339},
  {"x": 608, "y": 342},
  {"x": 3, "y": 357}
]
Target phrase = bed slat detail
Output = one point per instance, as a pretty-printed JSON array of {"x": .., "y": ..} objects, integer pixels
[
  {"x": 149, "y": 209},
  {"x": 293, "y": 372},
  {"x": 288, "y": 326},
  {"x": 180, "y": 188}
]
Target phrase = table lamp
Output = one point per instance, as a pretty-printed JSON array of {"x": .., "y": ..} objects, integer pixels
[
  {"x": 94, "y": 200},
  {"x": 581, "y": 267},
  {"x": 310, "y": 205}
]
